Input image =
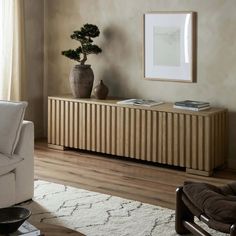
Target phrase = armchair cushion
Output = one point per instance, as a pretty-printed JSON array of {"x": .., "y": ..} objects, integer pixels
[
  {"x": 11, "y": 117},
  {"x": 218, "y": 203}
]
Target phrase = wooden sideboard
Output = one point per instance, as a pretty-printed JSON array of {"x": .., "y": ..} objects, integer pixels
[{"x": 161, "y": 134}]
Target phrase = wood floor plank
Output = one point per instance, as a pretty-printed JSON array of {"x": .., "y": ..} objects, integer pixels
[{"x": 120, "y": 177}]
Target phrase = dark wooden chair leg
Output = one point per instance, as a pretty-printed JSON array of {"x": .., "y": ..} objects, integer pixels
[
  {"x": 233, "y": 230},
  {"x": 182, "y": 213}
]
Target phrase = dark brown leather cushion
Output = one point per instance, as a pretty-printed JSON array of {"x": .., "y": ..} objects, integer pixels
[{"x": 218, "y": 203}]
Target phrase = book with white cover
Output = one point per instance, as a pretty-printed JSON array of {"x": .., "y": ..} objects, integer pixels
[
  {"x": 140, "y": 102},
  {"x": 26, "y": 229}
]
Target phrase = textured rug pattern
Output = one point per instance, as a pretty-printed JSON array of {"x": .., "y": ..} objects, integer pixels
[{"x": 96, "y": 214}]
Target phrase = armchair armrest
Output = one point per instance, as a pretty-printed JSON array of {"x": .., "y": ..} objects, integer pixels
[
  {"x": 25, "y": 171},
  {"x": 25, "y": 145}
]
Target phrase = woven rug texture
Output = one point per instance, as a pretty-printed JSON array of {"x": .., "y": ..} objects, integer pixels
[{"x": 96, "y": 214}]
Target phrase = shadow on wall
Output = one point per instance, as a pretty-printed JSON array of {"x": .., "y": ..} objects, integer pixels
[
  {"x": 34, "y": 113},
  {"x": 232, "y": 136},
  {"x": 113, "y": 78},
  {"x": 116, "y": 51}
]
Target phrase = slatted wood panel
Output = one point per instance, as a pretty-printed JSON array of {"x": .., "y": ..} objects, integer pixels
[
  {"x": 85, "y": 126},
  {"x": 194, "y": 141}
]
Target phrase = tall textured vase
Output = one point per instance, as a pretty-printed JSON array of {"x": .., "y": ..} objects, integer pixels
[{"x": 81, "y": 81}]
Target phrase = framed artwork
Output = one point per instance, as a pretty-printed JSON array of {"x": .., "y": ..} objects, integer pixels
[{"x": 169, "y": 45}]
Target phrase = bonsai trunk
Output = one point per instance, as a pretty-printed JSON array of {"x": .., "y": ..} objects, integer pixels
[{"x": 84, "y": 59}]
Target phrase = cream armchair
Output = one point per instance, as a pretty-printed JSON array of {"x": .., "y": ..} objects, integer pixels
[{"x": 16, "y": 168}]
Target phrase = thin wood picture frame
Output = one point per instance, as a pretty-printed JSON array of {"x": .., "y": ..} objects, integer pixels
[{"x": 170, "y": 46}]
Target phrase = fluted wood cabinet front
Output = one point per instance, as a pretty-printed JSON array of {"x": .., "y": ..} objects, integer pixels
[{"x": 162, "y": 134}]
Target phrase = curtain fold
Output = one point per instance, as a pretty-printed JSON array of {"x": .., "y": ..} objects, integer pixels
[
  {"x": 12, "y": 51},
  {"x": 6, "y": 49},
  {"x": 18, "y": 86}
]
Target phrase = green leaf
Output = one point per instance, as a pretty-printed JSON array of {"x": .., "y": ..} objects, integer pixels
[
  {"x": 90, "y": 30},
  {"x": 84, "y": 36},
  {"x": 72, "y": 54},
  {"x": 91, "y": 49}
]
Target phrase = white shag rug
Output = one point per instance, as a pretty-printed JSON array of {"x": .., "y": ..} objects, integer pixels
[{"x": 96, "y": 214}]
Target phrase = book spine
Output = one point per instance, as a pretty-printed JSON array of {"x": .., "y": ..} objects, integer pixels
[
  {"x": 192, "y": 105},
  {"x": 191, "y": 108}
]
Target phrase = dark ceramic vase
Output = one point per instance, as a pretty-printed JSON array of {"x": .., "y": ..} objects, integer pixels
[
  {"x": 101, "y": 91},
  {"x": 81, "y": 81}
]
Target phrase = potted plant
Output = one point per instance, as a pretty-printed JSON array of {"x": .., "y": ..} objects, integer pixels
[{"x": 81, "y": 75}]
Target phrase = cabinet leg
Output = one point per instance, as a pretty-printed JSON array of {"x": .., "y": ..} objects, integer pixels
[
  {"x": 57, "y": 147},
  {"x": 199, "y": 172}
]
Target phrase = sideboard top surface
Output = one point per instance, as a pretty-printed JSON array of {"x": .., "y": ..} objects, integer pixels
[{"x": 165, "y": 107}]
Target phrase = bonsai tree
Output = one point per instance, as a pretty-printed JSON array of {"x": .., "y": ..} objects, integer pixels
[{"x": 84, "y": 36}]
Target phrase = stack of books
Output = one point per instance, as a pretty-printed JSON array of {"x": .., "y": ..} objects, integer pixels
[
  {"x": 192, "y": 105},
  {"x": 140, "y": 102}
]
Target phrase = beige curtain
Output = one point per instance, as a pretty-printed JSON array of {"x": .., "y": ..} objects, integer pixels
[
  {"x": 6, "y": 49},
  {"x": 12, "y": 48}
]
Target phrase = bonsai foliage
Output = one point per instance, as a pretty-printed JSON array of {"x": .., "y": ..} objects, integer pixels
[{"x": 84, "y": 36}]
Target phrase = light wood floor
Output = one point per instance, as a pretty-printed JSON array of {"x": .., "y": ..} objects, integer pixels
[{"x": 106, "y": 174}]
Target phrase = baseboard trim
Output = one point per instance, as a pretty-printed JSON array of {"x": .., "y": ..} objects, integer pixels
[{"x": 231, "y": 163}]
